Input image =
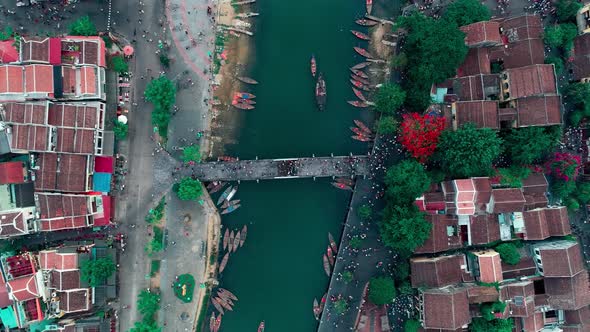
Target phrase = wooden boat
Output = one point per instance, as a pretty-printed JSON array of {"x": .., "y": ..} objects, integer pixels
[
  {"x": 247, "y": 80},
  {"x": 358, "y": 103},
  {"x": 330, "y": 255},
  {"x": 359, "y": 94},
  {"x": 217, "y": 305},
  {"x": 261, "y": 327},
  {"x": 369, "y": 6},
  {"x": 228, "y": 294},
  {"x": 346, "y": 181},
  {"x": 228, "y": 158},
  {"x": 227, "y": 203},
  {"x": 247, "y": 15},
  {"x": 363, "y": 52},
  {"x": 223, "y": 263},
  {"x": 224, "y": 195},
  {"x": 217, "y": 187},
  {"x": 236, "y": 101},
  {"x": 316, "y": 309},
  {"x": 359, "y": 85},
  {"x": 217, "y": 323},
  {"x": 244, "y": 234},
  {"x": 210, "y": 185},
  {"x": 359, "y": 73},
  {"x": 341, "y": 186},
  {"x": 366, "y": 23},
  {"x": 224, "y": 304},
  {"x": 313, "y": 65},
  {"x": 360, "y": 35},
  {"x": 326, "y": 265},
  {"x": 212, "y": 322},
  {"x": 237, "y": 241},
  {"x": 244, "y": 95},
  {"x": 225, "y": 238},
  {"x": 243, "y": 106},
  {"x": 320, "y": 92},
  {"x": 230, "y": 243},
  {"x": 363, "y": 126},
  {"x": 361, "y": 65},
  {"x": 360, "y": 79},
  {"x": 231, "y": 209},
  {"x": 358, "y": 131},
  {"x": 232, "y": 193},
  {"x": 361, "y": 138},
  {"x": 323, "y": 301},
  {"x": 330, "y": 237}
]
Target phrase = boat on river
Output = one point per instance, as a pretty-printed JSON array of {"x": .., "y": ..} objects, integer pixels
[
  {"x": 362, "y": 65},
  {"x": 326, "y": 265},
  {"x": 359, "y": 73},
  {"x": 358, "y": 131},
  {"x": 231, "y": 209},
  {"x": 217, "y": 305},
  {"x": 244, "y": 234},
  {"x": 323, "y": 301},
  {"x": 365, "y": 22},
  {"x": 224, "y": 195},
  {"x": 361, "y": 138},
  {"x": 236, "y": 101},
  {"x": 316, "y": 309},
  {"x": 360, "y": 35},
  {"x": 227, "y": 158},
  {"x": 320, "y": 92},
  {"x": 243, "y": 106},
  {"x": 346, "y": 181},
  {"x": 359, "y": 85},
  {"x": 228, "y": 203},
  {"x": 212, "y": 322},
  {"x": 237, "y": 241},
  {"x": 358, "y": 103},
  {"x": 330, "y": 255},
  {"x": 314, "y": 67},
  {"x": 225, "y": 238},
  {"x": 223, "y": 263},
  {"x": 232, "y": 193},
  {"x": 341, "y": 186},
  {"x": 261, "y": 327},
  {"x": 247, "y": 80},
  {"x": 217, "y": 324},
  {"x": 363, "y": 126},
  {"x": 224, "y": 304},
  {"x": 244, "y": 95},
  {"x": 331, "y": 238},
  {"x": 230, "y": 243},
  {"x": 363, "y": 52},
  {"x": 217, "y": 187},
  {"x": 360, "y": 79},
  {"x": 369, "y": 6},
  {"x": 228, "y": 294},
  {"x": 359, "y": 94}
]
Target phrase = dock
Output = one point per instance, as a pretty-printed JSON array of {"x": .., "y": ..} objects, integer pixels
[
  {"x": 243, "y": 2},
  {"x": 249, "y": 33},
  {"x": 380, "y": 20}
]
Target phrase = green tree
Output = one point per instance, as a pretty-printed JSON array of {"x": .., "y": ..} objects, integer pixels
[
  {"x": 578, "y": 94},
  {"x": 153, "y": 246},
  {"x": 121, "y": 130},
  {"x": 189, "y": 189},
  {"x": 340, "y": 306},
  {"x": 562, "y": 189},
  {"x": 401, "y": 271},
  {"x": 399, "y": 61},
  {"x": 161, "y": 92},
  {"x": 490, "y": 308},
  {"x": 582, "y": 193},
  {"x": 156, "y": 214},
  {"x": 119, "y": 64},
  {"x": 355, "y": 242},
  {"x": 148, "y": 303},
  {"x": 531, "y": 144},
  {"x": 7, "y": 33},
  {"x": 512, "y": 176},
  {"x": 479, "y": 324},
  {"x": 464, "y": 12},
  {"x": 381, "y": 290},
  {"x": 164, "y": 60},
  {"x": 364, "y": 212},
  {"x": 146, "y": 327},
  {"x": 406, "y": 181},
  {"x": 347, "y": 276},
  {"x": 390, "y": 97},
  {"x": 567, "y": 10},
  {"x": 404, "y": 228},
  {"x": 412, "y": 325},
  {"x": 508, "y": 253},
  {"x": 191, "y": 153},
  {"x": 468, "y": 151},
  {"x": 96, "y": 271},
  {"x": 83, "y": 27},
  {"x": 561, "y": 35},
  {"x": 557, "y": 62},
  {"x": 405, "y": 288},
  {"x": 387, "y": 125}
]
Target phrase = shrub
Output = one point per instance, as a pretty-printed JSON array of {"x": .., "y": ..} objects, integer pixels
[
  {"x": 364, "y": 212},
  {"x": 83, "y": 27},
  {"x": 508, "y": 253},
  {"x": 119, "y": 64},
  {"x": 381, "y": 290}
]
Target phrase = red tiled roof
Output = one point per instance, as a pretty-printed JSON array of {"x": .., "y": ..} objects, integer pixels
[
  {"x": 519, "y": 54},
  {"x": 65, "y": 280},
  {"x": 483, "y": 33},
  {"x": 434, "y": 201},
  {"x": 11, "y": 80},
  {"x": 520, "y": 298},
  {"x": 74, "y": 300},
  {"x": 563, "y": 260},
  {"x": 539, "y": 110},
  {"x": 12, "y": 172},
  {"x": 526, "y": 267},
  {"x": 105, "y": 218},
  {"x": 53, "y": 260},
  {"x": 535, "y": 183},
  {"x": 482, "y": 294},
  {"x": 531, "y": 81},
  {"x": 80, "y": 81},
  {"x": 490, "y": 267},
  {"x": 482, "y": 113},
  {"x": 65, "y": 223},
  {"x": 5, "y": 301},
  {"x": 8, "y": 52},
  {"x": 475, "y": 87},
  {"x": 445, "y": 308},
  {"x": 522, "y": 27},
  {"x": 88, "y": 81},
  {"x": 81, "y": 50},
  {"x": 437, "y": 271},
  {"x": 75, "y": 141},
  {"x": 581, "y": 55},
  {"x": 439, "y": 240},
  {"x": 74, "y": 115},
  {"x": 72, "y": 175},
  {"x": 533, "y": 323},
  {"x": 484, "y": 229},
  {"x": 24, "y": 288},
  {"x": 483, "y": 190},
  {"x": 30, "y": 137},
  {"x": 53, "y": 205},
  {"x": 568, "y": 293},
  {"x": 69, "y": 80},
  {"x": 40, "y": 50},
  {"x": 39, "y": 79},
  {"x": 558, "y": 221},
  {"x": 580, "y": 316},
  {"x": 476, "y": 62},
  {"x": 26, "y": 113},
  {"x": 507, "y": 200},
  {"x": 535, "y": 224}
]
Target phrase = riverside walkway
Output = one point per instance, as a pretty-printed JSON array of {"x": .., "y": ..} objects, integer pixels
[{"x": 291, "y": 168}]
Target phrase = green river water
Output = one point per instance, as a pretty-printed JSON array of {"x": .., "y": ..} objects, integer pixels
[{"x": 279, "y": 270}]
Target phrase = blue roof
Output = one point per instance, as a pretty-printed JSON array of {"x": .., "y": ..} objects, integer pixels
[
  {"x": 101, "y": 182},
  {"x": 7, "y": 317}
]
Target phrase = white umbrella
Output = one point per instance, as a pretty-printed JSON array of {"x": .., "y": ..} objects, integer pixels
[{"x": 122, "y": 119}]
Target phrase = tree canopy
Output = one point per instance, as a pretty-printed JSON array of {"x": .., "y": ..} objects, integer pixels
[
  {"x": 419, "y": 134},
  {"x": 479, "y": 324},
  {"x": 557, "y": 62},
  {"x": 148, "y": 303},
  {"x": 191, "y": 153},
  {"x": 7, "y": 33},
  {"x": 389, "y": 98},
  {"x": 531, "y": 144},
  {"x": 488, "y": 309},
  {"x": 119, "y": 64},
  {"x": 145, "y": 327},
  {"x": 83, "y": 27},
  {"x": 381, "y": 290},
  {"x": 514, "y": 175},
  {"x": 120, "y": 130},
  {"x": 404, "y": 228},
  {"x": 412, "y": 325},
  {"x": 364, "y": 212},
  {"x": 561, "y": 35},
  {"x": 468, "y": 151},
  {"x": 567, "y": 10},
  {"x": 508, "y": 253},
  {"x": 189, "y": 189},
  {"x": 464, "y": 12},
  {"x": 161, "y": 92},
  {"x": 387, "y": 125},
  {"x": 406, "y": 181},
  {"x": 97, "y": 271}
]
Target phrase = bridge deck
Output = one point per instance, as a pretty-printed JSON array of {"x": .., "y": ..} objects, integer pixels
[{"x": 341, "y": 166}]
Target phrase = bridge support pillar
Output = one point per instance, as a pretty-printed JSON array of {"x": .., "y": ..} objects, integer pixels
[
  {"x": 257, "y": 180},
  {"x": 314, "y": 178},
  {"x": 239, "y": 182}
]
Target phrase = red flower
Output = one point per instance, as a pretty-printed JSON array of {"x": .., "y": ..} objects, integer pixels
[{"x": 419, "y": 134}]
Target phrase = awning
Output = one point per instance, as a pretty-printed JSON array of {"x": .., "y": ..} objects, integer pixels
[
  {"x": 104, "y": 164},
  {"x": 106, "y": 208},
  {"x": 8, "y": 318},
  {"x": 101, "y": 182}
]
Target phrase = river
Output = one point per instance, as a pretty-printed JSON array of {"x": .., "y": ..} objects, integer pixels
[{"x": 279, "y": 270}]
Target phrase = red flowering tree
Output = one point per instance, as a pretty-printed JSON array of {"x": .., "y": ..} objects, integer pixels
[
  {"x": 564, "y": 166},
  {"x": 419, "y": 134}
]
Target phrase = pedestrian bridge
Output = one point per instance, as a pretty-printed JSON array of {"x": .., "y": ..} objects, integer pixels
[{"x": 290, "y": 168}]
